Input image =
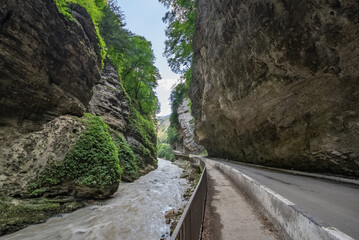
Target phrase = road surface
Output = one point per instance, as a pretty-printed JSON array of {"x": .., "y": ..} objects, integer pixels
[{"x": 332, "y": 203}]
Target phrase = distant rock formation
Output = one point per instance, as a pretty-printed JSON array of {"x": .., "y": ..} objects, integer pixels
[
  {"x": 185, "y": 130},
  {"x": 277, "y": 83}
]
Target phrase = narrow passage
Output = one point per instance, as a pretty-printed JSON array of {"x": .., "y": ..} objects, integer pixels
[{"x": 230, "y": 215}]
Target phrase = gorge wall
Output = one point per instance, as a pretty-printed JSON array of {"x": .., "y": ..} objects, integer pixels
[
  {"x": 186, "y": 142},
  {"x": 276, "y": 83},
  {"x": 53, "y": 147}
]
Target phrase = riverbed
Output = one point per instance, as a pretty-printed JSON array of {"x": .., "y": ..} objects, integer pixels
[{"x": 137, "y": 211}]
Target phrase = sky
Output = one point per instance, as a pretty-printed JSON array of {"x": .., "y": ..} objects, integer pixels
[{"x": 144, "y": 18}]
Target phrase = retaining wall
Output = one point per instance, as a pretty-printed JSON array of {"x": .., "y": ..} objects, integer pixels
[{"x": 294, "y": 222}]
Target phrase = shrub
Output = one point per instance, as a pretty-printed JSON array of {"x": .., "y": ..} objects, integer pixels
[
  {"x": 92, "y": 162},
  {"x": 165, "y": 151}
]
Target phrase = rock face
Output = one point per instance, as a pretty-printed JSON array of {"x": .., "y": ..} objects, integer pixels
[
  {"x": 24, "y": 156},
  {"x": 48, "y": 65},
  {"x": 186, "y": 130},
  {"x": 109, "y": 100},
  {"x": 277, "y": 83}
]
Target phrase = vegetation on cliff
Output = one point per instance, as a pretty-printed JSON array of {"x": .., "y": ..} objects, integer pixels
[
  {"x": 93, "y": 161},
  {"x": 95, "y": 10},
  {"x": 90, "y": 158},
  {"x": 179, "y": 52},
  {"x": 133, "y": 58}
]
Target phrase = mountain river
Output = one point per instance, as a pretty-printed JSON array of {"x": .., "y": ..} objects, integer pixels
[{"x": 137, "y": 211}]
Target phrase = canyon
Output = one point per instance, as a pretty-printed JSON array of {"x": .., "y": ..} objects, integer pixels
[{"x": 276, "y": 83}]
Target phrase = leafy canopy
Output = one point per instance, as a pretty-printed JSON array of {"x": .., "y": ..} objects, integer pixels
[
  {"x": 179, "y": 53},
  {"x": 134, "y": 59}
]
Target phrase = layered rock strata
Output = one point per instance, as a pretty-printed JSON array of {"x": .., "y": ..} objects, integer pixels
[
  {"x": 277, "y": 83},
  {"x": 185, "y": 130},
  {"x": 48, "y": 65}
]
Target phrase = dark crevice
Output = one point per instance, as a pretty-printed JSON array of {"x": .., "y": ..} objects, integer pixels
[{"x": 6, "y": 19}]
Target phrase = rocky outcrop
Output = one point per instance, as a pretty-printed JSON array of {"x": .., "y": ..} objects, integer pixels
[
  {"x": 109, "y": 100},
  {"x": 186, "y": 130},
  {"x": 24, "y": 156},
  {"x": 277, "y": 83},
  {"x": 48, "y": 65},
  {"x": 50, "y": 150},
  {"x": 111, "y": 103}
]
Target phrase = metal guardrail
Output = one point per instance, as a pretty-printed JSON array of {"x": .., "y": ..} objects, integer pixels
[{"x": 189, "y": 226}]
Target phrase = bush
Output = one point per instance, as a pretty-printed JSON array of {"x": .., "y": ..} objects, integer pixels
[
  {"x": 93, "y": 161},
  {"x": 165, "y": 151}
]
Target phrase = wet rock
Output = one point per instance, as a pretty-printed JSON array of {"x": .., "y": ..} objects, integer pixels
[{"x": 277, "y": 83}]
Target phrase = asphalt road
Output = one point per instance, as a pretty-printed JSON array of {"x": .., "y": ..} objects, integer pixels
[{"x": 332, "y": 203}]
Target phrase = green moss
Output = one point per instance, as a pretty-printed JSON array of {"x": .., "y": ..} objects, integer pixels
[
  {"x": 144, "y": 129},
  {"x": 94, "y": 8},
  {"x": 127, "y": 158},
  {"x": 93, "y": 161},
  {"x": 17, "y": 214},
  {"x": 64, "y": 10}
]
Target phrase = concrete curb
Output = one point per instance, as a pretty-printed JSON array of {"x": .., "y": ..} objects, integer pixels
[
  {"x": 313, "y": 175},
  {"x": 286, "y": 215}
]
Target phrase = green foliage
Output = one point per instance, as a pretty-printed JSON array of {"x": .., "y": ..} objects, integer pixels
[
  {"x": 180, "y": 31},
  {"x": 172, "y": 135},
  {"x": 94, "y": 8},
  {"x": 92, "y": 162},
  {"x": 165, "y": 151},
  {"x": 126, "y": 157},
  {"x": 144, "y": 129},
  {"x": 179, "y": 51},
  {"x": 134, "y": 59},
  {"x": 64, "y": 10}
]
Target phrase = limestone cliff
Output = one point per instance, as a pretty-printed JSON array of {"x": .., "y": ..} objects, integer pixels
[
  {"x": 277, "y": 82},
  {"x": 50, "y": 75},
  {"x": 48, "y": 65},
  {"x": 186, "y": 142}
]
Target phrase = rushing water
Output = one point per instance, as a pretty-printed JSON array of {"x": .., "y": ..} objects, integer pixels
[{"x": 137, "y": 211}]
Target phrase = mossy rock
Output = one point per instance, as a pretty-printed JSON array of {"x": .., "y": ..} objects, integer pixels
[
  {"x": 17, "y": 214},
  {"x": 90, "y": 170},
  {"x": 127, "y": 158}
]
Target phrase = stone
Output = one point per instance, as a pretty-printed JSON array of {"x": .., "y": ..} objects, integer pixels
[
  {"x": 277, "y": 83},
  {"x": 24, "y": 156},
  {"x": 48, "y": 64},
  {"x": 109, "y": 100},
  {"x": 185, "y": 130}
]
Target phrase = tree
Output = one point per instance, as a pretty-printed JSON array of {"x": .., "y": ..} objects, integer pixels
[
  {"x": 181, "y": 26},
  {"x": 134, "y": 59}
]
